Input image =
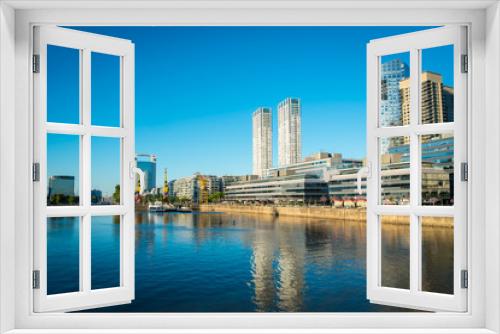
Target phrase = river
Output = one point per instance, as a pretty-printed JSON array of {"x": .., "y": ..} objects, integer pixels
[{"x": 229, "y": 262}]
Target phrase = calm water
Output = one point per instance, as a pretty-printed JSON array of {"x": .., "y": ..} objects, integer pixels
[{"x": 219, "y": 262}]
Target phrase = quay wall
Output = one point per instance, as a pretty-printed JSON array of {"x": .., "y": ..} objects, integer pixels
[{"x": 325, "y": 212}]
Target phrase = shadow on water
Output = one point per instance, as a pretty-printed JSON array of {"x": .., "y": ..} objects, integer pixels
[{"x": 226, "y": 262}]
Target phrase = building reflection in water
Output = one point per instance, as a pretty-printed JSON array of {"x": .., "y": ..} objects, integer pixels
[
  {"x": 221, "y": 262},
  {"x": 262, "y": 268}
]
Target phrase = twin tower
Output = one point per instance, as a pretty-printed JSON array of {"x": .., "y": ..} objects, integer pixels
[{"x": 289, "y": 136}]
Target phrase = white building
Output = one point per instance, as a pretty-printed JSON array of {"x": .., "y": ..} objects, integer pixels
[
  {"x": 289, "y": 132},
  {"x": 262, "y": 140}
]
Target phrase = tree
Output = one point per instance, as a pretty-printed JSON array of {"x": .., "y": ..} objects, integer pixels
[
  {"x": 215, "y": 197},
  {"x": 116, "y": 194}
]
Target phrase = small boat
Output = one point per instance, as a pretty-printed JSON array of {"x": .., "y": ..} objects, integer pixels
[
  {"x": 156, "y": 207},
  {"x": 184, "y": 209}
]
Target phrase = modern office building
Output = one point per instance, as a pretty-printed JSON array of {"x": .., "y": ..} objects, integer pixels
[
  {"x": 391, "y": 74},
  {"x": 294, "y": 188},
  {"x": 448, "y": 103},
  {"x": 437, "y": 185},
  {"x": 289, "y": 132},
  {"x": 437, "y": 175},
  {"x": 319, "y": 164},
  {"x": 436, "y": 101},
  {"x": 227, "y": 180},
  {"x": 262, "y": 140},
  {"x": 61, "y": 185},
  {"x": 213, "y": 183},
  {"x": 185, "y": 187},
  {"x": 195, "y": 187},
  {"x": 147, "y": 163}
]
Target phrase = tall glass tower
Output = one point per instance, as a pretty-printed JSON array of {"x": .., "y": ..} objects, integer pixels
[
  {"x": 147, "y": 163},
  {"x": 391, "y": 74},
  {"x": 289, "y": 132},
  {"x": 262, "y": 141}
]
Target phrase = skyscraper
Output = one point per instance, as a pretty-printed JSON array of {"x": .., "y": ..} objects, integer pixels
[
  {"x": 262, "y": 140},
  {"x": 147, "y": 163},
  {"x": 391, "y": 74},
  {"x": 436, "y": 104},
  {"x": 289, "y": 132}
]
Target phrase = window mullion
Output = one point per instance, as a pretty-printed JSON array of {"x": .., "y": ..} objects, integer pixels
[
  {"x": 414, "y": 170},
  {"x": 85, "y": 236}
]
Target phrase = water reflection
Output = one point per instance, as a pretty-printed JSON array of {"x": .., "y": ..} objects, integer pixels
[{"x": 217, "y": 262}]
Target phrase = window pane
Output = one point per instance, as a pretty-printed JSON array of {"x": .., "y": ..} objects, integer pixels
[
  {"x": 437, "y": 252},
  {"x": 437, "y": 169},
  {"x": 105, "y": 171},
  {"x": 395, "y": 251},
  {"x": 395, "y": 171},
  {"x": 63, "y": 85},
  {"x": 63, "y": 255},
  {"x": 105, "y": 89},
  {"x": 437, "y": 85},
  {"x": 63, "y": 165},
  {"x": 105, "y": 252},
  {"x": 394, "y": 87}
]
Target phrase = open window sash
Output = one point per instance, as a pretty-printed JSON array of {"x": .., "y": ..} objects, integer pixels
[
  {"x": 414, "y": 129},
  {"x": 84, "y": 44}
]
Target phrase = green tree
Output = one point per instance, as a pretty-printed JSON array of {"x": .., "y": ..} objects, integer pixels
[
  {"x": 116, "y": 194},
  {"x": 215, "y": 197}
]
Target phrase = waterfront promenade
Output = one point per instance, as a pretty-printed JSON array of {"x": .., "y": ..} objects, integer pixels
[{"x": 326, "y": 212}]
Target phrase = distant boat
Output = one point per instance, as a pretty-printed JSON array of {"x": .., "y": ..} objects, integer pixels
[
  {"x": 156, "y": 207},
  {"x": 184, "y": 209},
  {"x": 160, "y": 207}
]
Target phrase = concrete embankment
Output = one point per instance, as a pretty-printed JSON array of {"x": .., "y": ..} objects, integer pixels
[{"x": 325, "y": 212}]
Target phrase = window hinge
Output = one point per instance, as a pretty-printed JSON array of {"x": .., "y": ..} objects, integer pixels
[
  {"x": 465, "y": 64},
  {"x": 36, "y": 63},
  {"x": 464, "y": 171},
  {"x": 464, "y": 279},
  {"x": 36, "y": 279},
  {"x": 36, "y": 172}
]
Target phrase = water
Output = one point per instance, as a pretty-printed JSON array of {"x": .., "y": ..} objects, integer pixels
[{"x": 221, "y": 262}]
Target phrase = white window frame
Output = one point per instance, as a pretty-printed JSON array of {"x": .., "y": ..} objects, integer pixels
[
  {"x": 85, "y": 43},
  {"x": 16, "y": 21},
  {"x": 414, "y": 43}
]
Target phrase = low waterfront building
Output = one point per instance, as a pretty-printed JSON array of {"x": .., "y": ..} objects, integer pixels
[
  {"x": 227, "y": 180},
  {"x": 185, "y": 188},
  {"x": 301, "y": 188},
  {"x": 437, "y": 185},
  {"x": 320, "y": 164},
  {"x": 196, "y": 187},
  {"x": 214, "y": 184}
]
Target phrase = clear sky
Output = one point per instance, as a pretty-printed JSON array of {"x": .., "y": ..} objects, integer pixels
[{"x": 196, "y": 89}]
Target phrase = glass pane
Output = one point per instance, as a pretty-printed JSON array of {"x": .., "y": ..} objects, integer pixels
[
  {"x": 437, "y": 85},
  {"x": 63, "y": 255},
  {"x": 63, "y": 85},
  {"x": 394, "y": 86},
  {"x": 105, "y": 171},
  {"x": 437, "y": 169},
  {"x": 63, "y": 166},
  {"x": 105, "y": 252},
  {"x": 395, "y": 251},
  {"x": 437, "y": 252},
  {"x": 395, "y": 170},
  {"x": 105, "y": 89}
]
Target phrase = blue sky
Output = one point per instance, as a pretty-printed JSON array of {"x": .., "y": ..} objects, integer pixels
[{"x": 196, "y": 89}]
